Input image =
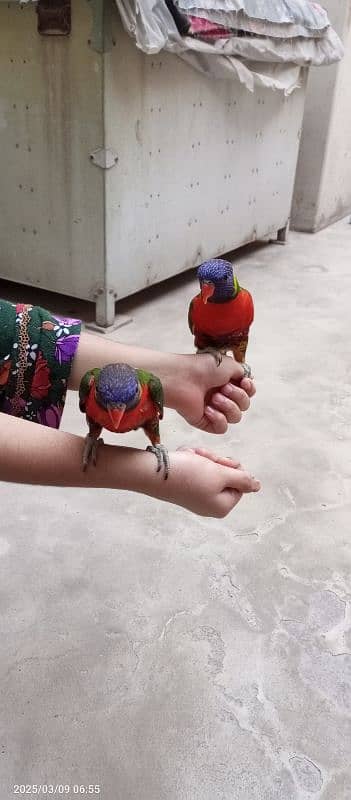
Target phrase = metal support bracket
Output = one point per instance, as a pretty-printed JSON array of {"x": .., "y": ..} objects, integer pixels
[
  {"x": 106, "y": 320},
  {"x": 282, "y": 235},
  {"x": 54, "y": 17}
]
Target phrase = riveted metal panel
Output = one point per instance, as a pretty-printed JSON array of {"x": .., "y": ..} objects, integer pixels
[
  {"x": 200, "y": 166},
  {"x": 203, "y": 165},
  {"x": 51, "y": 119}
]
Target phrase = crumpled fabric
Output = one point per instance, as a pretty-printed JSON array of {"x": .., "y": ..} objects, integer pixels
[
  {"x": 253, "y": 61},
  {"x": 281, "y": 77},
  {"x": 301, "y": 52},
  {"x": 300, "y": 12},
  {"x": 240, "y": 22}
]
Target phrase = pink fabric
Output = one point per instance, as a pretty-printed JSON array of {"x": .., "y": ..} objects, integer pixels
[{"x": 208, "y": 30}]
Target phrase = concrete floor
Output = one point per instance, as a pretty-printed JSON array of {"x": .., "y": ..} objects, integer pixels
[{"x": 166, "y": 657}]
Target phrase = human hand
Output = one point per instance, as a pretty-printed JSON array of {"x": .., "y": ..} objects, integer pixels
[
  {"x": 203, "y": 483},
  {"x": 207, "y": 396}
]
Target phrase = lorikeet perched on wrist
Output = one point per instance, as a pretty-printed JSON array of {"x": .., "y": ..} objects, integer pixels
[
  {"x": 221, "y": 315},
  {"x": 120, "y": 398}
]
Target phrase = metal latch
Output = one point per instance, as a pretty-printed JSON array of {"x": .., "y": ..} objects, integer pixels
[
  {"x": 54, "y": 17},
  {"x": 104, "y": 157}
]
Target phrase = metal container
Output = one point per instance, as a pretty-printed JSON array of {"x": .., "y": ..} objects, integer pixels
[
  {"x": 322, "y": 192},
  {"x": 120, "y": 169}
]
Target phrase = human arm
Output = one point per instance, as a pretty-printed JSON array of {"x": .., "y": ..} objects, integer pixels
[
  {"x": 38, "y": 455},
  {"x": 207, "y": 396}
]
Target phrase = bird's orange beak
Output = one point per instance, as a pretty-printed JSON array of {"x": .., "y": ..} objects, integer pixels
[
  {"x": 116, "y": 415},
  {"x": 207, "y": 290}
]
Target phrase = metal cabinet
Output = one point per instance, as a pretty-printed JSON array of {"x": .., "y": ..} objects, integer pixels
[{"x": 120, "y": 169}]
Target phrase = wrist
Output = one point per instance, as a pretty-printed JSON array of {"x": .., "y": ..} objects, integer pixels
[
  {"x": 175, "y": 374},
  {"x": 132, "y": 470}
]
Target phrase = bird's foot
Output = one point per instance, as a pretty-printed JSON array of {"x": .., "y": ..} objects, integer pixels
[
  {"x": 217, "y": 354},
  {"x": 161, "y": 453},
  {"x": 91, "y": 446},
  {"x": 247, "y": 370}
]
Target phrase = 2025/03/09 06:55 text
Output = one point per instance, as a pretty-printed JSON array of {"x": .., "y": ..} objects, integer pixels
[{"x": 66, "y": 789}]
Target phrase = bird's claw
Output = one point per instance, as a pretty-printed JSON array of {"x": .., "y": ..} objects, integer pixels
[
  {"x": 91, "y": 446},
  {"x": 161, "y": 453},
  {"x": 247, "y": 370},
  {"x": 217, "y": 354}
]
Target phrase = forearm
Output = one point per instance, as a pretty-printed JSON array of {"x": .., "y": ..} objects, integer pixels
[
  {"x": 35, "y": 454},
  {"x": 96, "y": 351}
]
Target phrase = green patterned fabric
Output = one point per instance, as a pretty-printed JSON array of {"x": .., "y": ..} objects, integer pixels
[{"x": 36, "y": 354}]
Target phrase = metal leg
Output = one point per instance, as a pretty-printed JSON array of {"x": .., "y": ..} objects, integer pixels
[
  {"x": 105, "y": 308},
  {"x": 282, "y": 235},
  {"x": 105, "y": 316}
]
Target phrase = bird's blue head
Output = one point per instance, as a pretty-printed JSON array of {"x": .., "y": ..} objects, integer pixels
[
  {"x": 217, "y": 281},
  {"x": 118, "y": 386}
]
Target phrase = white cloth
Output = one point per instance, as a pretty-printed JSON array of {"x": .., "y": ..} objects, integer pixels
[
  {"x": 300, "y": 51},
  {"x": 282, "y": 77},
  {"x": 253, "y": 61},
  {"x": 299, "y": 12}
]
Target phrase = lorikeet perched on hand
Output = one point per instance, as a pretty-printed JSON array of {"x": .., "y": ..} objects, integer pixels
[
  {"x": 220, "y": 316},
  {"x": 120, "y": 399}
]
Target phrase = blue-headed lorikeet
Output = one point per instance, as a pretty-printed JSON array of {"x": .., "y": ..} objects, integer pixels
[
  {"x": 221, "y": 314},
  {"x": 120, "y": 398}
]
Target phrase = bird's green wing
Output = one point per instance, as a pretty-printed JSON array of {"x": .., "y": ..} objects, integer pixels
[
  {"x": 236, "y": 286},
  {"x": 155, "y": 388},
  {"x": 85, "y": 386},
  {"x": 190, "y": 316}
]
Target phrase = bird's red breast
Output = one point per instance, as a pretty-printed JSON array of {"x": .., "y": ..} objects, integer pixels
[
  {"x": 145, "y": 411},
  {"x": 220, "y": 322}
]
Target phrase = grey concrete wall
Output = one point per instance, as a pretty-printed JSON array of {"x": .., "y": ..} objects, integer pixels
[{"x": 323, "y": 178}]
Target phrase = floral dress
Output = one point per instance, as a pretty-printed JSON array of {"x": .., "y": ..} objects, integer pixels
[{"x": 36, "y": 354}]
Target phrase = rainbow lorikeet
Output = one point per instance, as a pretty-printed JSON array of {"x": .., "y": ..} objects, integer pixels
[
  {"x": 120, "y": 398},
  {"x": 221, "y": 314}
]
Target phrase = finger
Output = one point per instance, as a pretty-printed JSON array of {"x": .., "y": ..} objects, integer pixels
[
  {"x": 225, "y": 461},
  {"x": 226, "y": 501},
  {"x": 217, "y": 422},
  {"x": 230, "y": 410},
  {"x": 240, "y": 480},
  {"x": 236, "y": 370},
  {"x": 249, "y": 386},
  {"x": 237, "y": 394},
  {"x": 184, "y": 449}
]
